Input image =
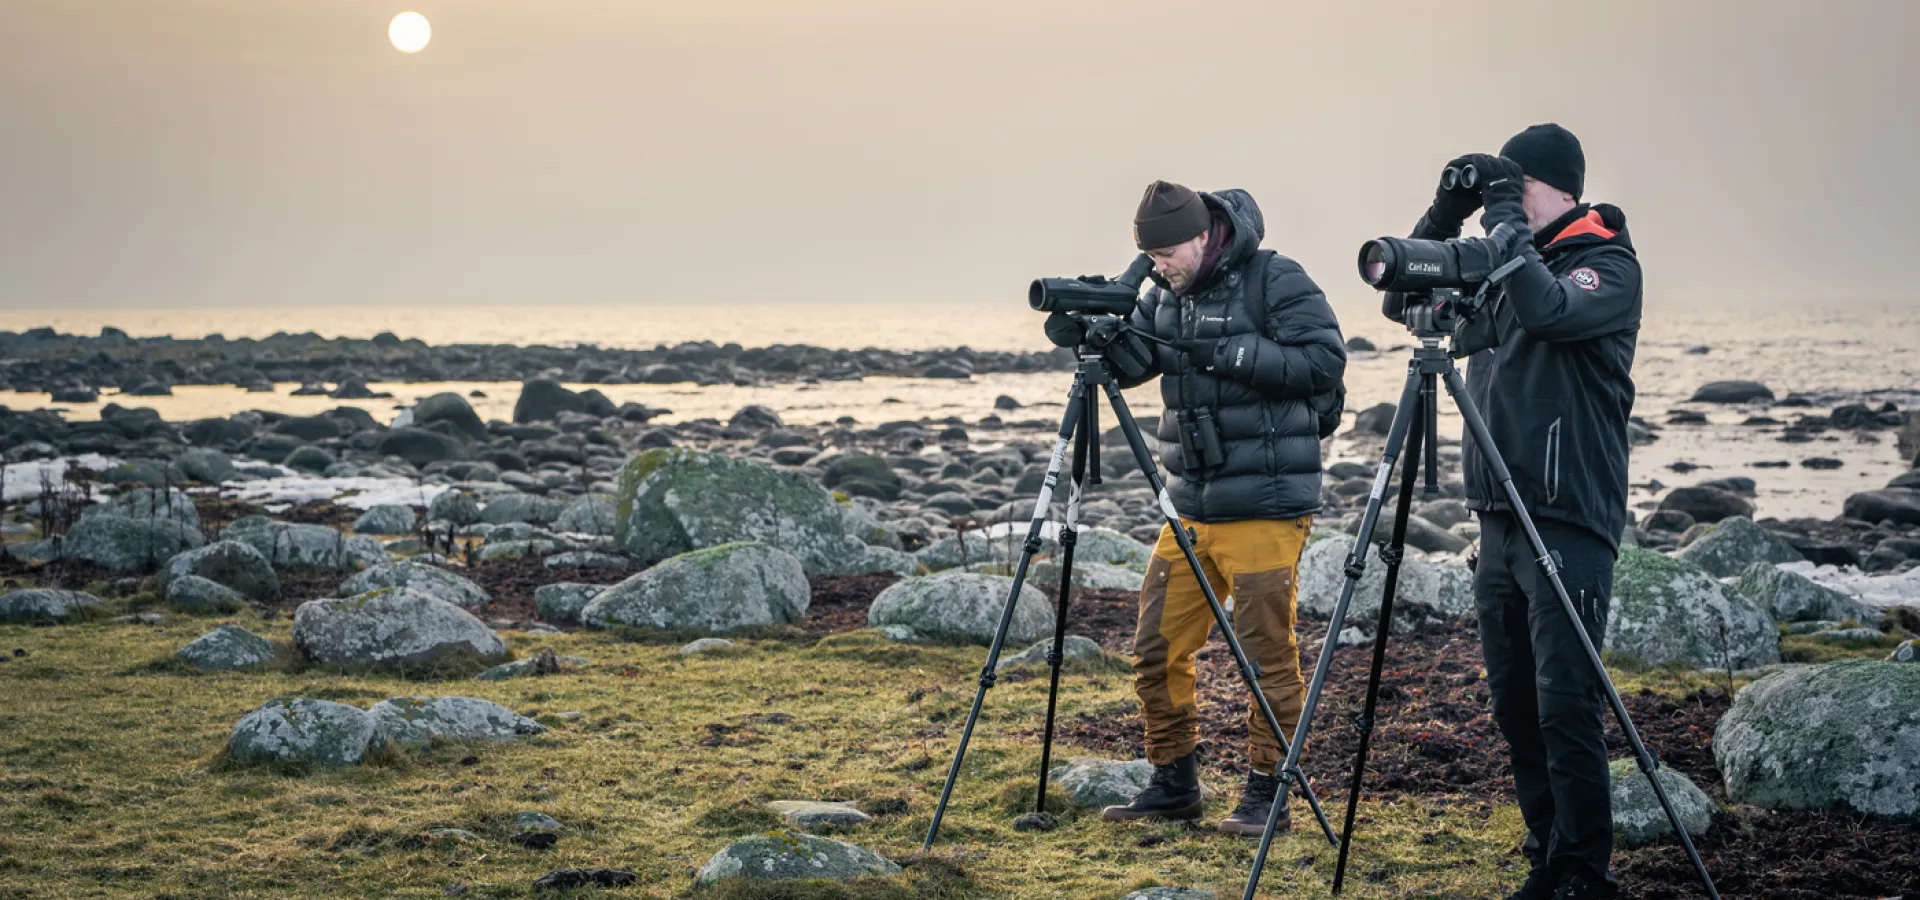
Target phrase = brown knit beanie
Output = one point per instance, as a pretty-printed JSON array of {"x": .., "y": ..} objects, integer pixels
[{"x": 1169, "y": 214}]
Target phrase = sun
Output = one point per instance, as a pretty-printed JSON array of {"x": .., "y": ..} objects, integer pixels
[{"x": 409, "y": 32}]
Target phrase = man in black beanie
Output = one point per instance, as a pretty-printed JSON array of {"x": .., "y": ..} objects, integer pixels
[
  {"x": 1253, "y": 366},
  {"x": 1551, "y": 370}
]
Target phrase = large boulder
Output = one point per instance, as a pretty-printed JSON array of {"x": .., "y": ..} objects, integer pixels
[
  {"x": 427, "y": 579},
  {"x": 1894, "y": 505},
  {"x": 46, "y": 605},
  {"x": 1793, "y": 597},
  {"x": 716, "y": 589},
  {"x": 124, "y": 544},
  {"x": 543, "y": 400},
  {"x": 674, "y": 501},
  {"x": 1707, "y": 504},
  {"x": 862, "y": 475},
  {"x": 394, "y": 628},
  {"x": 420, "y": 446},
  {"x": 1436, "y": 588},
  {"x": 1731, "y": 392},
  {"x": 207, "y": 465},
  {"x": 504, "y": 508},
  {"x": 152, "y": 502},
  {"x": 787, "y": 855},
  {"x": 227, "y": 647},
  {"x": 1735, "y": 543},
  {"x": 457, "y": 507},
  {"x": 385, "y": 518},
  {"x": 301, "y": 731},
  {"x": 452, "y": 409},
  {"x": 305, "y": 545},
  {"x": 1846, "y": 734},
  {"x": 1668, "y": 610},
  {"x": 193, "y": 593},
  {"x": 961, "y": 606},
  {"x": 1638, "y": 817},
  {"x": 232, "y": 563},
  {"x": 417, "y": 721}
]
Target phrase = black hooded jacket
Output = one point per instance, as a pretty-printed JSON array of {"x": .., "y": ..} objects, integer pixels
[
  {"x": 1269, "y": 431},
  {"x": 1557, "y": 390}
]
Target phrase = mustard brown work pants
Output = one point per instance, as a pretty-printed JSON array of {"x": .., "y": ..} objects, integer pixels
[{"x": 1255, "y": 561}]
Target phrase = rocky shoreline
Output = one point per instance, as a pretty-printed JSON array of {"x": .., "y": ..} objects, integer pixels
[{"x": 77, "y": 368}]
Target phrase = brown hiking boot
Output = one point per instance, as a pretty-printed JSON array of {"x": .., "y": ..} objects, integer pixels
[
  {"x": 1256, "y": 803},
  {"x": 1172, "y": 793}
]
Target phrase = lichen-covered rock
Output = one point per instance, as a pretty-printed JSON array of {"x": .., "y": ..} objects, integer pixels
[
  {"x": 151, "y": 502},
  {"x": 1638, "y": 817},
  {"x": 562, "y": 601},
  {"x": 227, "y": 647},
  {"x": 1430, "y": 588},
  {"x": 1668, "y": 610},
  {"x": 396, "y": 628},
  {"x": 818, "y": 815},
  {"x": 298, "y": 730},
  {"x": 1091, "y": 545},
  {"x": 34, "y": 606},
  {"x": 206, "y": 465},
  {"x": 673, "y": 501},
  {"x": 501, "y": 509},
  {"x": 416, "y": 721},
  {"x": 193, "y": 593},
  {"x": 1735, "y": 543},
  {"x": 1094, "y": 783},
  {"x": 586, "y": 559},
  {"x": 457, "y": 507},
  {"x": 1170, "y": 893},
  {"x": 1075, "y": 649},
  {"x": 782, "y": 855},
  {"x": 961, "y": 606},
  {"x": 544, "y": 662},
  {"x": 430, "y": 580},
  {"x": 587, "y": 515},
  {"x": 1846, "y": 734},
  {"x": 387, "y": 519},
  {"x": 1792, "y": 597},
  {"x": 306, "y": 545},
  {"x": 1094, "y": 576},
  {"x": 232, "y": 563},
  {"x": 124, "y": 544},
  {"x": 716, "y": 589},
  {"x": 706, "y": 645}
]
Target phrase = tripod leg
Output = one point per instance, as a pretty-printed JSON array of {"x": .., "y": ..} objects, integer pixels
[
  {"x": 1356, "y": 567},
  {"x": 1069, "y": 425},
  {"x": 1085, "y": 451},
  {"x": 1396, "y": 546},
  {"x": 1483, "y": 438},
  {"x": 1248, "y": 671}
]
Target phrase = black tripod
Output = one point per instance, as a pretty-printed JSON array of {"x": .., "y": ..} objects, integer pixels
[
  {"x": 1419, "y": 403},
  {"x": 1081, "y": 427}
]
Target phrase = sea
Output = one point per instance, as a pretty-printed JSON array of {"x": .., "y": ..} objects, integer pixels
[{"x": 1830, "y": 353}]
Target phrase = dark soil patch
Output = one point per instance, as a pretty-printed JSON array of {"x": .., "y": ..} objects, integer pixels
[{"x": 840, "y": 602}]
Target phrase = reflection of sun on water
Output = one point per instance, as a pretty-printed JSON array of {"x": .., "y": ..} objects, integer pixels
[{"x": 409, "y": 32}]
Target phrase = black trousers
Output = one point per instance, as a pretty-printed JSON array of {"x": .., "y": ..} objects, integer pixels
[{"x": 1547, "y": 698}]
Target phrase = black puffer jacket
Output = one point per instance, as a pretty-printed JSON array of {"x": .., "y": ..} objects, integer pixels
[
  {"x": 1557, "y": 390},
  {"x": 1269, "y": 431}
]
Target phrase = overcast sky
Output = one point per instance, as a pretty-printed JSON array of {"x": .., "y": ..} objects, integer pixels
[{"x": 159, "y": 153}]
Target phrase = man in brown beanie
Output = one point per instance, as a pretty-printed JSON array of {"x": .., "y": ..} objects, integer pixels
[
  {"x": 1551, "y": 370},
  {"x": 1253, "y": 366}
]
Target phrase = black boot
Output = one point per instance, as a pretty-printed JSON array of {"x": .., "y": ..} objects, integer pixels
[
  {"x": 1538, "y": 886},
  {"x": 1256, "y": 803},
  {"x": 1579, "y": 887},
  {"x": 1172, "y": 793}
]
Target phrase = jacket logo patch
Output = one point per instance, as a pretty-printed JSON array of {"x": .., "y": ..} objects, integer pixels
[{"x": 1586, "y": 279}]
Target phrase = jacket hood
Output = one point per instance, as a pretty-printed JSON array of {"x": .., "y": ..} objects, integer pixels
[
  {"x": 1249, "y": 228},
  {"x": 1585, "y": 226}
]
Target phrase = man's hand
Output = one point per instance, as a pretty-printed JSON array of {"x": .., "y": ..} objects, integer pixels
[
  {"x": 1065, "y": 330},
  {"x": 1503, "y": 185},
  {"x": 1452, "y": 207},
  {"x": 1224, "y": 358}
]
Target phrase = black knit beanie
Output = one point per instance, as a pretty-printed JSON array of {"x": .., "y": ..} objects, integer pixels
[
  {"x": 1551, "y": 154},
  {"x": 1169, "y": 214}
]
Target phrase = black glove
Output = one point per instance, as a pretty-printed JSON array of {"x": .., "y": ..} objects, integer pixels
[
  {"x": 1502, "y": 184},
  {"x": 1223, "y": 357},
  {"x": 1451, "y": 208},
  {"x": 1065, "y": 330}
]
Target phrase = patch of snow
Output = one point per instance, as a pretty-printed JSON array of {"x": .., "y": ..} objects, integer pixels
[
  {"x": 354, "y": 492},
  {"x": 23, "y": 479},
  {"x": 1874, "y": 590}
]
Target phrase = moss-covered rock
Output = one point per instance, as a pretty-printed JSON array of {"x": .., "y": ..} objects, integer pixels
[
  {"x": 306, "y": 545},
  {"x": 716, "y": 589},
  {"x": 192, "y": 593},
  {"x": 227, "y": 647},
  {"x": 1669, "y": 610},
  {"x": 39, "y": 606},
  {"x": 1732, "y": 544},
  {"x": 1792, "y": 597},
  {"x": 1638, "y": 816},
  {"x": 431, "y": 580},
  {"x": 301, "y": 731},
  {"x": 394, "y": 628},
  {"x": 127, "y": 544},
  {"x": 674, "y": 501},
  {"x": 961, "y": 606},
  {"x": 232, "y": 563},
  {"x": 417, "y": 721},
  {"x": 1845, "y": 734}
]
